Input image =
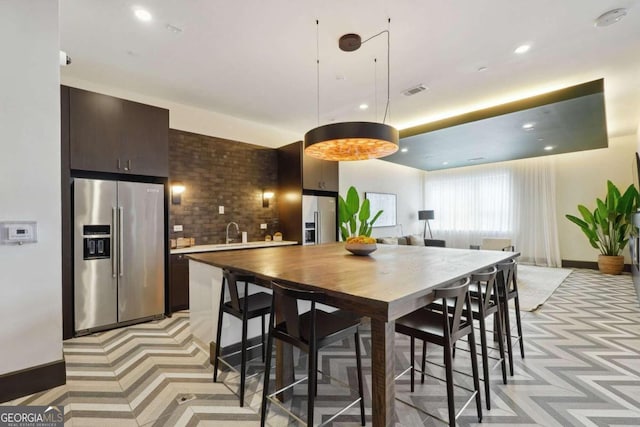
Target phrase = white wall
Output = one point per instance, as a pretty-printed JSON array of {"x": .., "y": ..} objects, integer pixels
[
  {"x": 30, "y": 275},
  {"x": 386, "y": 177},
  {"x": 580, "y": 179},
  {"x": 198, "y": 120}
]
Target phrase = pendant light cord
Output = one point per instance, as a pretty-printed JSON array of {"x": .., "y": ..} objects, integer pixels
[
  {"x": 318, "y": 67},
  {"x": 386, "y": 108}
]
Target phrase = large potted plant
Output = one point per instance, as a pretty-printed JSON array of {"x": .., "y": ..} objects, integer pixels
[
  {"x": 609, "y": 225},
  {"x": 355, "y": 223}
]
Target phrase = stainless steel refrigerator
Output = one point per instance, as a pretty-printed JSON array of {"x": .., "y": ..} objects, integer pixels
[
  {"x": 319, "y": 219},
  {"x": 118, "y": 252}
]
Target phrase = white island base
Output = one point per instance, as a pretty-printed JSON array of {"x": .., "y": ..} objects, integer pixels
[{"x": 205, "y": 282}]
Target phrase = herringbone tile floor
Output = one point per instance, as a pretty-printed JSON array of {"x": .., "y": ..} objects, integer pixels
[{"x": 582, "y": 368}]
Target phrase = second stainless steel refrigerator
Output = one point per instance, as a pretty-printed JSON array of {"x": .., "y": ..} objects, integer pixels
[
  {"x": 118, "y": 252},
  {"x": 318, "y": 219}
]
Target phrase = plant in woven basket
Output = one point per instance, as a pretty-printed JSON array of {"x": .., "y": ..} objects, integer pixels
[{"x": 608, "y": 226}]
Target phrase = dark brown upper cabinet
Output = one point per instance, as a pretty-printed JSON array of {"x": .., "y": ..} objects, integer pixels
[
  {"x": 318, "y": 174},
  {"x": 109, "y": 134},
  {"x": 298, "y": 174}
]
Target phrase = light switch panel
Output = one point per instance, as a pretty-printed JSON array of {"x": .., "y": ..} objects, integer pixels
[
  {"x": 220, "y": 209},
  {"x": 263, "y": 226},
  {"x": 177, "y": 228}
]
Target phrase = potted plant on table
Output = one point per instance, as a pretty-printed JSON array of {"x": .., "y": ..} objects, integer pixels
[
  {"x": 608, "y": 227},
  {"x": 355, "y": 225}
]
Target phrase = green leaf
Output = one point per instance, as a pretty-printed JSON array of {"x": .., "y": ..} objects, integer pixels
[
  {"x": 353, "y": 201},
  {"x": 580, "y": 223},
  {"x": 363, "y": 229},
  {"x": 344, "y": 232},
  {"x": 375, "y": 217},
  {"x": 343, "y": 212},
  {"x": 364, "y": 214}
]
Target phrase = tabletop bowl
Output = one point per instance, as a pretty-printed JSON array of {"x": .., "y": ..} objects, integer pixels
[{"x": 360, "y": 249}]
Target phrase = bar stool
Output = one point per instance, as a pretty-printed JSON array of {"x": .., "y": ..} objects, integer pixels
[
  {"x": 508, "y": 290},
  {"x": 244, "y": 308},
  {"x": 309, "y": 332},
  {"x": 485, "y": 302},
  {"x": 444, "y": 328}
]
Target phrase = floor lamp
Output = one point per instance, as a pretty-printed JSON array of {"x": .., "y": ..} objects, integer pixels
[{"x": 426, "y": 216}]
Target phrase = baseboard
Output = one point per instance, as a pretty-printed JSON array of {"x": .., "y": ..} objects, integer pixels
[
  {"x": 32, "y": 380},
  {"x": 591, "y": 265}
]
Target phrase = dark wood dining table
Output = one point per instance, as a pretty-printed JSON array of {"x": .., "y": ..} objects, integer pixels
[{"x": 387, "y": 284}]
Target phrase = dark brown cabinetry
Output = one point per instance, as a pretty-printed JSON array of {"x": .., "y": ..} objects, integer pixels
[
  {"x": 298, "y": 174},
  {"x": 319, "y": 174},
  {"x": 109, "y": 134},
  {"x": 179, "y": 282}
]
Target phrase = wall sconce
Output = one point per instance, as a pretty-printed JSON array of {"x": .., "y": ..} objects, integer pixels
[
  {"x": 266, "y": 196},
  {"x": 426, "y": 216},
  {"x": 176, "y": 193}
]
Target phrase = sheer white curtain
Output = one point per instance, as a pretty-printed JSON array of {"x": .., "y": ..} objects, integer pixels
[{"x": 514, "y": 200}]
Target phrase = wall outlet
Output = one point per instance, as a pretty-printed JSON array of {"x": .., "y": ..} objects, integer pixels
[
  {"x": 220, "y": 209},
  {"x": 177, "y": 228},
  {"x": 263, "y": 226}
]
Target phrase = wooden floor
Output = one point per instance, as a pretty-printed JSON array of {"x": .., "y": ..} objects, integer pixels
[{"x": 582, "y": 367}]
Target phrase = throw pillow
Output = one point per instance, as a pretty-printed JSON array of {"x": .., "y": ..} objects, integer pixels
[
  {"x": 416, "y": 240},
  {"x": 389, "y": 240}
]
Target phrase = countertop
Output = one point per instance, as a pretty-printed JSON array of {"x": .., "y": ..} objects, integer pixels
[{"x": 231, "y": 246}]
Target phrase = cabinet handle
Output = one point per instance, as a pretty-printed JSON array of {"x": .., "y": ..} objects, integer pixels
[
  {"x": 128, "y": 167},
  {"x": 118, "y": 164}
]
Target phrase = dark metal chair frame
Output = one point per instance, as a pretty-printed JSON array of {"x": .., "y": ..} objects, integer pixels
[
  {"x": 484, "y": 303},
  {"x": 247, "y": 307},
  {"x": 309, "y": 332},
  {"x": 508, "y": 290},
  {"x": 444, "y": 328}
]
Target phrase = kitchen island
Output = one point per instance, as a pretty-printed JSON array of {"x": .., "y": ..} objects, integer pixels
[
  {"x": 391, "y": 282},
  {"x": 204, "y": 285},
  {"x": 231, "y": 246}
]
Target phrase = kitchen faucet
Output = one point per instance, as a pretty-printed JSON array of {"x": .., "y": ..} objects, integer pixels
[{"x": 237, "y": 231}]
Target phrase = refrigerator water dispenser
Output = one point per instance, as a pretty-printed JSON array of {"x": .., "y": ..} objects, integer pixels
[{"x": 96, "y": 242}]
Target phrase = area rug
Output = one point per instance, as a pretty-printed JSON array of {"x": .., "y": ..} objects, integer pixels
[{"x": 536, "y": 284}]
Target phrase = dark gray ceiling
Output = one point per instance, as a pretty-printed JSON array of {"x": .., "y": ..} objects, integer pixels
[{"x": 571, "y": 119}]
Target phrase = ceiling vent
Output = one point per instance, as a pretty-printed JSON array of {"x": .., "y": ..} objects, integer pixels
[{"x": 415, "y": 89}]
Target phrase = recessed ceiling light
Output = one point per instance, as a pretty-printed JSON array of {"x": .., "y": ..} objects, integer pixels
[
  {"x": 549, "y": 147},
  {"x": 142, "y": 15},
  {"x": 363, "y": 106},
  {"x": 610, "y": 17},
  {"x": 522, "y": 49},
  {"x": 540, "y": 139},
  {"x": 404, "y": 150},
  {"x": 528, "y": 126},
  {"x": 475, "y": 159},
  {"x": 481, "y": 69},
  {"x": 445, "y": 163}
]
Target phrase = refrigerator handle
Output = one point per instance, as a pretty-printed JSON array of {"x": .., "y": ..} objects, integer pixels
[
  {"x": 114, "y": 219},
  {"x": 120, "y": 236},
  {"x": 316, "y": 219}
]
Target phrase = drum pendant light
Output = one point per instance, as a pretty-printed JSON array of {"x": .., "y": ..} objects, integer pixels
[{"x": 352, "y": 140}]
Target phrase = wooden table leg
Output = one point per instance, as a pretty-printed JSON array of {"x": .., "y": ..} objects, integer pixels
[{"x": 382, "y": 373}]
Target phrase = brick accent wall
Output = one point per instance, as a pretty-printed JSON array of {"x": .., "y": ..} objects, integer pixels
[{"x": 219, "y": 172}]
